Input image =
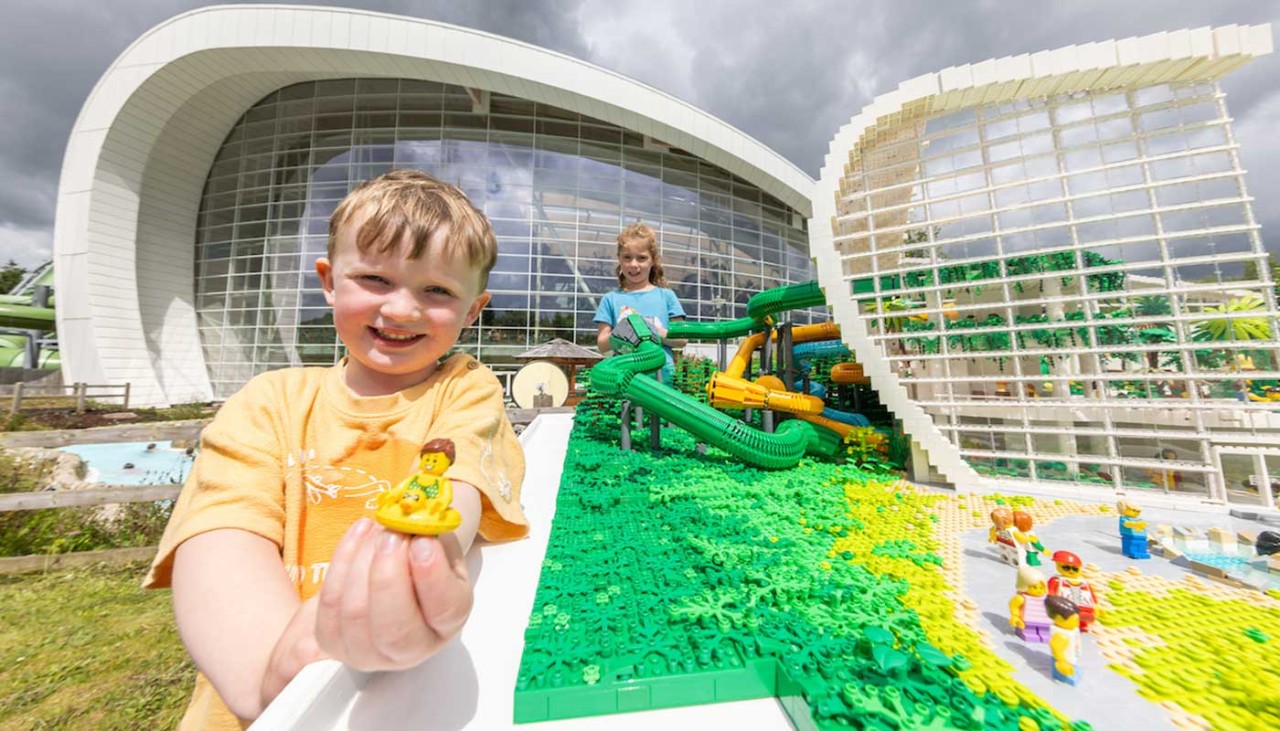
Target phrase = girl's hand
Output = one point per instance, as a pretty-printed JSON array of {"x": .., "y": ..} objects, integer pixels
[{"x": 389, "y": 600}]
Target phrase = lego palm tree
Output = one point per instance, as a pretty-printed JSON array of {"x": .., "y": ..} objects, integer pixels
[
  {"x": 1230, "y": 322},
  {"x": 1154, "y": 334}
]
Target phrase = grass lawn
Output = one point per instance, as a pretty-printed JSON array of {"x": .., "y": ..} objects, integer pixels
[{"x": 88, "y": 649}]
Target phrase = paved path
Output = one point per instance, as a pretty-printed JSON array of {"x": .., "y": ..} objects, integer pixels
[{"x": 1105, "y": 699}]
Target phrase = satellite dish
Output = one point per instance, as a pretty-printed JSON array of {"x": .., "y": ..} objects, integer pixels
[{"x": 540, "y": 384}]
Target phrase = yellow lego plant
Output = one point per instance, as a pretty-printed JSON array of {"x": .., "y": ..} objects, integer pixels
[{"x": 1215, "y": 658}]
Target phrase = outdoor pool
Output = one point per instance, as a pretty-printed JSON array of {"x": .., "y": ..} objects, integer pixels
[{"x": 131, "y": 463}]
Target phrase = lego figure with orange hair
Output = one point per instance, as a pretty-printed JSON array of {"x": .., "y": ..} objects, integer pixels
[
  {"x": 1001, "y": 535},
  {"x": 1029, "y": 545},
  {"x": 1071, "y": 585}
]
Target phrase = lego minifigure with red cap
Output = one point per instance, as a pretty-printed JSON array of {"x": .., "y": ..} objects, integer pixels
[{"x": 1069, "y": 584}]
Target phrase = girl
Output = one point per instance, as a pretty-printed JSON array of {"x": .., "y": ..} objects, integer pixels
[{"x": 641, "y": 290}]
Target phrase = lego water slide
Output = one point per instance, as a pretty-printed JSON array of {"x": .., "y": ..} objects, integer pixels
[{"x": 640, "y": 352}]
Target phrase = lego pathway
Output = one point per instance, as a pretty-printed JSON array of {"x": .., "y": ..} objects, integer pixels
[{"x": 1105, "y": 699}]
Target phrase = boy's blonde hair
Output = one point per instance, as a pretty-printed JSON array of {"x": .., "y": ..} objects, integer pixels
[
  {"x": 639, "y": 233},
  {"x": 412, "y": 202},
  {"x": 1124, "y": 504}
]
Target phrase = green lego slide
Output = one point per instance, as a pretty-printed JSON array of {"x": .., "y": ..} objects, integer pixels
[{"x": 640, "y": 352}]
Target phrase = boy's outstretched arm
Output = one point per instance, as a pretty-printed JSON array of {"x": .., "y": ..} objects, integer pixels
[
  {"x": 387, "y": 603},
  {"x": 233, "y": 601}
]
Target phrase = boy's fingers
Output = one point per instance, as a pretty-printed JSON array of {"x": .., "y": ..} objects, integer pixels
[
  {"x": 353, "y": 615},
  {"x": 329, "y": 612},
  {"x": 442, "y": 585},
  {"x": 396, "y": 627}
]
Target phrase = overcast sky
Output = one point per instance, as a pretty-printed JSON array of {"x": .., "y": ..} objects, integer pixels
[{"x": 787, "y": 73}]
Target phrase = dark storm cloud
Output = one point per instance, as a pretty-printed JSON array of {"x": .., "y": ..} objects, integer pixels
[
  {"x": 792, "y": 74},
  {"x": 788, "y": 74},
  {"x": 53, "y": 52}
]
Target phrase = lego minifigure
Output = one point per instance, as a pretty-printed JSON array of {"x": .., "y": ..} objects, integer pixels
[
  {"x": 1133, "y": 532},
  {"x": 1029, "y": 545},
  {"x": 421, "y": 504},
  {"x": 1069, "y": 584},
  {"x": 1027, "y": 610},
  {"x": 1002, "y": 535},
  {"x": 1064, "y": 639}
]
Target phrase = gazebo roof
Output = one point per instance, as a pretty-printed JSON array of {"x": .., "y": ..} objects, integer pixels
[{"x": 560, "y": 350}]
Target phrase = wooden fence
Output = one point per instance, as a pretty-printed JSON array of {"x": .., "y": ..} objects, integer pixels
[
  {"x": 109, "y": 495},
  {"x": 74, "y": 396}
]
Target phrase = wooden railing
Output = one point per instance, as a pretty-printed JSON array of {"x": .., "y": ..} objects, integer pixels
[
  {"x": 74, "y": 396},
  {"x": 109, "y": 495}
]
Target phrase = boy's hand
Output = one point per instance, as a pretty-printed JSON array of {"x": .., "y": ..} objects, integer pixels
[{"x": 390, "y": 601}]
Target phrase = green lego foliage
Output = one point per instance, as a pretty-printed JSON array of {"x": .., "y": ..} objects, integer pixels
[
  {"x": 675, "y": 578},
  {"x": 692, "y": 376}
]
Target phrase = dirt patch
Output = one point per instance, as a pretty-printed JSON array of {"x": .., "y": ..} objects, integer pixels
[
  {"x": 59, "y": 419},
  {"x": 56, "y": 419}
]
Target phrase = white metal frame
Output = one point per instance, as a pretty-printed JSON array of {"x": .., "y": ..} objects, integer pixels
[
  {"x": 1156, "y": 92},
  {"x": 1260, "y": 454}
]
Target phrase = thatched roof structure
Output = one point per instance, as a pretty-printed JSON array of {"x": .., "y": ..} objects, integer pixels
[{"x": 559, "y": 350}]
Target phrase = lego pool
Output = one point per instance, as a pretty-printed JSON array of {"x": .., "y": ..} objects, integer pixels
[
  {"x": 133, "y": 463},
  {"x": 1239, "y": 566}
]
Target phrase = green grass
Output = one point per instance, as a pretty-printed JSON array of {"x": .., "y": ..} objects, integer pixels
[
  {"x": 88, "y": 649},
  {"x": 68, "y": 530}
]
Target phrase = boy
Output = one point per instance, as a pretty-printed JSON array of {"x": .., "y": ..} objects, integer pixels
[{"x": 271, "y": 553}]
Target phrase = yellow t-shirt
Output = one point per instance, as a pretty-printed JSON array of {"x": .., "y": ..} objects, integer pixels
[{"x": 297, "y": 458}]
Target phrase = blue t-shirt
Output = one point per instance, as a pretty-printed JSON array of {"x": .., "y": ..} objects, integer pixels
[{"x": 657, "y": 305}]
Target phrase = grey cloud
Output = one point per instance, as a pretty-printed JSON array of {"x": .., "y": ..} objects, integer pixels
[
  {"x": 793, "y": 79},
  {"x": 43, "y": 84},
  {"x": 789, "y": 75}
]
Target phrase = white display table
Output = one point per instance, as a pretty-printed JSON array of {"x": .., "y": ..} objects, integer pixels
[{"x": 470, "y": 684}]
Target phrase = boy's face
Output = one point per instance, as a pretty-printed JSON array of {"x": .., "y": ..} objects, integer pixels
[{"x": 397, "y": 316}]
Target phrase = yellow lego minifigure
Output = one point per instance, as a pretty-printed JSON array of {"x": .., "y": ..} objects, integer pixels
[{"x": 421, "y": 504}]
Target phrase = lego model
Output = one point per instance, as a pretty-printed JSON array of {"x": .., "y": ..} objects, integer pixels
[
  {"x": 1069, "y": 585},
  {"x": 421, "y": 504},
  {"x": 1133, "y": 532},
  {"x": 1029, "y": 545},
  {"x": 1064, "y": 638},
  {"x": 1267, "y": 543},
  {"x": 1002, "y": 535},
  {"x": 1027, "y": 612}
]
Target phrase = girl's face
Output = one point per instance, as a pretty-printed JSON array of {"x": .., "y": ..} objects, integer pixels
[{"x": 635, "y": 262}]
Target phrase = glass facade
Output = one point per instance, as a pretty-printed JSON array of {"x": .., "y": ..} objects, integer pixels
[
  {"x": 1073, "y": 287},
  {"x": 558, "y": 186}
]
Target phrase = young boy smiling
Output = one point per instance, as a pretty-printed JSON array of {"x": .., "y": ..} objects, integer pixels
[{"x": 271, "y": 553}]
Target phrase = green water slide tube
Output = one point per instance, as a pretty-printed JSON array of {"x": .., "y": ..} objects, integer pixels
[
  {"x": 762, "y": 305},
  {"x": 26, "y": 317},
  {"x": 639, "y": 352}
]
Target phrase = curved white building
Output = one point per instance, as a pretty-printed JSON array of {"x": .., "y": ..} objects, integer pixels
[
  {"x": 1048, "y": 263},
  {"x": 1049, "y": 267},
  {"x": 201, "y": 170}
]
